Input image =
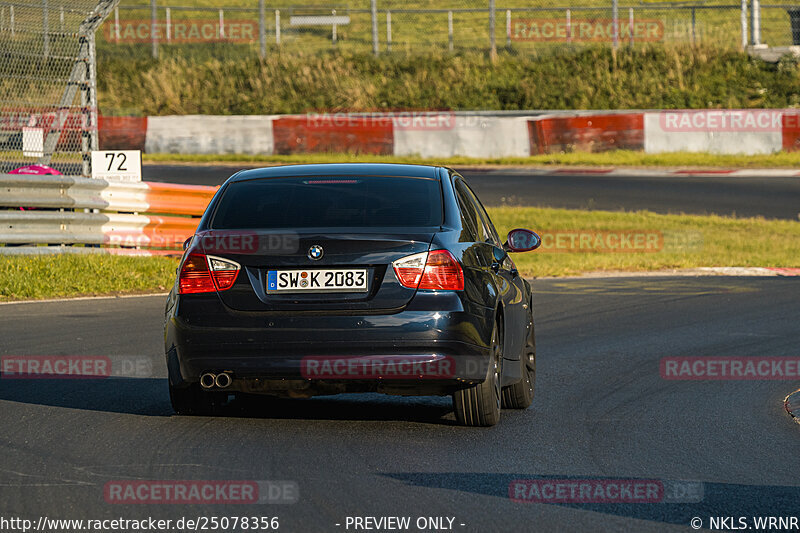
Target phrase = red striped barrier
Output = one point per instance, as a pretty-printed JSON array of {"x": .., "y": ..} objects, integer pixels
[
  {"x": 178, "y": 199},
  {"x": 790, "y": 131},
  {"x": 122, "y": 133},
  {"x": 308, "y": 134},
  {"x": 166, "y": 232},
  {"x": 594, "y": 133},
  {"x": 463, "y": 134}
]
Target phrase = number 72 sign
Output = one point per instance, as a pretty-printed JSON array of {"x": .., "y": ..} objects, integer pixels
[{"x": 120, "y": 165}]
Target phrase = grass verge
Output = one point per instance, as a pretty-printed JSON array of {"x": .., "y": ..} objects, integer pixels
[
  {"x": 687, "y": 242},
  {"x": 60, "y": 276},
  {"x": 606, "y": 159}
]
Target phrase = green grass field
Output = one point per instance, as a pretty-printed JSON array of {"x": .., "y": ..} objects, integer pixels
[{"x": 686, "y": 242}]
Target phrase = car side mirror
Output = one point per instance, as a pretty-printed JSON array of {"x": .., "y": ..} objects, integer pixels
[
  {"x": 186, "y": 243},
  {"x": 521, "y": 240}
]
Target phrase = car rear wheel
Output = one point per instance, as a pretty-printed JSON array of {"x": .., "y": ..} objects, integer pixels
[
  {"x": 520, "y": 394},
  {"x": 192, "y": 400},
  {"x": 479, "y": 405}
]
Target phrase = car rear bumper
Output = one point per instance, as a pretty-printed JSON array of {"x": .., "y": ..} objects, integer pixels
[{"x": 433, "y": 346}]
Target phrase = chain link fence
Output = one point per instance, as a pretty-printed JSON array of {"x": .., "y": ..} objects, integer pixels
[
  {"x": 383, "y": 26},
  {"x": 47, "y": 82}
]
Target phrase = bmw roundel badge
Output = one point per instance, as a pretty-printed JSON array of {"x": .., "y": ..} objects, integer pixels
[{"x": 315, "y": 252}]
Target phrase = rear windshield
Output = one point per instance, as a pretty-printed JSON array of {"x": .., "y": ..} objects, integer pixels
[{"x": 330, "y": 202}]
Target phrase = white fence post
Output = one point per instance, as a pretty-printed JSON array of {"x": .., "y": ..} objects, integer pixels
[
  {"x": 374, "y": 11},
  {"x": 492, "y": 36},
  {"x": 262, "y": 30},
  {"x": 630, "y": 24},
  {"x": 450, "y": 30},
  {"x": 744, "y": 24},
  {"x": 153, "y": 22},
  {"x": 755, "y": 22},
  {"x": 388, "y": 31},
  {"x": 569, "y": 26},
  {"x": 508, "y": 28}
]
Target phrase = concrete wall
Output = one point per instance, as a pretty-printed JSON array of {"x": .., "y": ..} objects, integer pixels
[
  {"x": 209, "y": 134},
  {"x": 689, "y": 132},
  {"x": 470, "y": 136}
]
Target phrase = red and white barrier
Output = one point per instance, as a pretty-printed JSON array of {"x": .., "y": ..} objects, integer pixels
[{"x": 433, "y": 134}]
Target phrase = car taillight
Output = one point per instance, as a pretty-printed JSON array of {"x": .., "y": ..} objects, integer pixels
[
  {"x": 409, "y": 269},
  {"x": 436, "y": 270},
  {"x": 201, "y": 273},
  {"x": 224, "y": 272}
]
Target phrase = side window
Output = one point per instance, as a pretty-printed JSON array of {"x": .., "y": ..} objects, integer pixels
[
  {"x": 469, "y": 216},
  {"x": 487, "y": 228}
]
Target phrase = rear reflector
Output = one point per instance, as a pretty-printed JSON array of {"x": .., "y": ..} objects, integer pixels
[
  {"x": 201, "y": 273},
  {"x": 436, "y": 270}
]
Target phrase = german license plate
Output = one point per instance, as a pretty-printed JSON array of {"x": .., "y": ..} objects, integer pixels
[{"x": 329, "y": 280}]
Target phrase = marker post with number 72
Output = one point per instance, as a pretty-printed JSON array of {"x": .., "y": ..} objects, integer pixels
[{"x": 117, "y": 165}]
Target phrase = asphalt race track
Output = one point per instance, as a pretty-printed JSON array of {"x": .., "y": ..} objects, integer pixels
[
  {"x": 770, "y": 197},
  {"x": 602, "y": 411}
]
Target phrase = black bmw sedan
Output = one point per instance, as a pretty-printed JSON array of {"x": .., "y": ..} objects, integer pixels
[{"x": 324, "y": 279}]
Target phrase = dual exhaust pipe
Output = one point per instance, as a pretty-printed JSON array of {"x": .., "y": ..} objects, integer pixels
[{"x": 221, "y": 381}]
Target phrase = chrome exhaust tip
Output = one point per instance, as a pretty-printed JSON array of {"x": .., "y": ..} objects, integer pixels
[
  {"x": 207, "y": 380},
  {"x": 223, "y": 380}
]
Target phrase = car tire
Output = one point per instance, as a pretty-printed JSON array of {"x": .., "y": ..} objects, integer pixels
[
  {"x": 479, "y": 405},
  {"x": 191, "y": 400},
  {"x": 520, "y": 394}
]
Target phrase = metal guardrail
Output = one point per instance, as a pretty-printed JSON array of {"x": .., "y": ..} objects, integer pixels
[
  {"x": 48, "y": 227},
  {"x": 63, "y": 211}
]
